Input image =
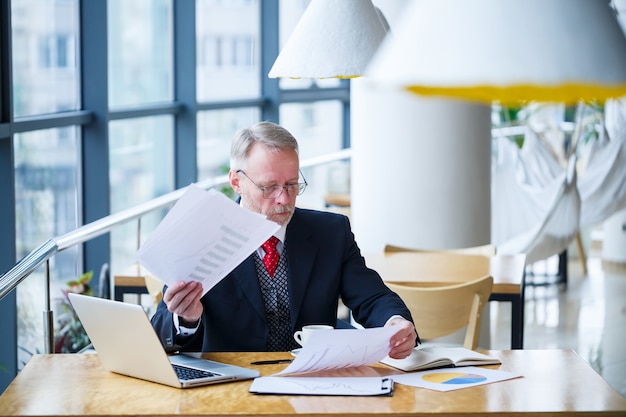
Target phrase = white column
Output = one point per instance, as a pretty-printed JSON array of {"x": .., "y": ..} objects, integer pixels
[
  {"x": 421, "y": 170},
  {"x": 421, "y": 174}
]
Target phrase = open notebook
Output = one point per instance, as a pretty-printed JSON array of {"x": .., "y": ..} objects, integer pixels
[
  {"x": 440, "y": 357},
  {"x": 126, "y": 343}
]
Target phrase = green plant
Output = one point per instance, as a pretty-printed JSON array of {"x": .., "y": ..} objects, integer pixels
[{"x": 71, "y": 336}]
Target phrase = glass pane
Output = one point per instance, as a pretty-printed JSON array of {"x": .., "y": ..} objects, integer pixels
[
  {"x": 47, "y": 201},
  {"x": 45, "y": 40},
  {"x": 318, "y": 128},
  {"x": 215, "y": 131},
  {"x": 141, "y": 168},
  {"x": 228, "y": 49},
  {"x": 290, "y": 12},
  {"x": 140, "y": 52}
]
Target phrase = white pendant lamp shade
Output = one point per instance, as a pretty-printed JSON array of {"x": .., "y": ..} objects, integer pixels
[
  {"x": 333, "y": 39},
  {"x": 506, "y": 50}
]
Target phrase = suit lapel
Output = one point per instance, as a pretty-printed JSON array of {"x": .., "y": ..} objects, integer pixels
[
  {"x": 245, "y": 275},
  {"x": 301, "y": 254}
]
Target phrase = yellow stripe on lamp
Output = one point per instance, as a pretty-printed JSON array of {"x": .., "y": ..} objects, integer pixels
[{"x": 506, "y": 50}]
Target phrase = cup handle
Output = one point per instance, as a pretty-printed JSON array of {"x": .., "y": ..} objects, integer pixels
[{"x": 298, "y": 337}]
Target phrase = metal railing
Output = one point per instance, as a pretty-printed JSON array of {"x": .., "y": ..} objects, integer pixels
[{"x": 43, "y": 253}]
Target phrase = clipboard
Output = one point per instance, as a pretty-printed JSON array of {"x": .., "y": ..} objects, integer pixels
[{"x": 303, "y": 385}]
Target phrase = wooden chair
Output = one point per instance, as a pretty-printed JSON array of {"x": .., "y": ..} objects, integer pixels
[
  {"x": 485, "y": 250},
  {"x": 136, "y": 280},
  {"x": 439, "y": 266},
  {"x": 443, "y": 310}
]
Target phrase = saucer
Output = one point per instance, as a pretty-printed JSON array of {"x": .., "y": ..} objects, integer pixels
[{"x": 295, "y": 352}]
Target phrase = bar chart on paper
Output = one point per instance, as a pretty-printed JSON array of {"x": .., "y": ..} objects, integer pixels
[{"x": 202, "y": 238}]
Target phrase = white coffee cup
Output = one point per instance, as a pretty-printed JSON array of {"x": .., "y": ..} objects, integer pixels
[{"x": 301, "y": 336}]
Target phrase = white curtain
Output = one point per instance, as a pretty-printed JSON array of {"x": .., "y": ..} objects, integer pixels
[
  {"x": 535, "y": 203},
  {"x": 602, "y": 181},
  {"x": 543, "y": 193}
]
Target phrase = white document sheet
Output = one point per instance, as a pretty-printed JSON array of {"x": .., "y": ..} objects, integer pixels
[
  {"x": 341, "y": 348},
  {"x": 322, "y": 386},
  {"x": 203, "y": 238}
]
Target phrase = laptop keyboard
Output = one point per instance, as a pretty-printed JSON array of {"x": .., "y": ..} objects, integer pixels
[{"x": 184, "y": 373}]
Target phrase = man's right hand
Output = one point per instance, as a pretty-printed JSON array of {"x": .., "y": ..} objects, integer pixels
[{"x": 183, "y": 299}]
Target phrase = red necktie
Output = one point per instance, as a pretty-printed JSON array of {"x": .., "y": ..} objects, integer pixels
[{"x": 270, "y": 260}]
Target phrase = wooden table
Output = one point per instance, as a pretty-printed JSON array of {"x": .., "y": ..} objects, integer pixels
[
  {"x": 555, "y": 383},
  {"x": 436, "y": 268}
]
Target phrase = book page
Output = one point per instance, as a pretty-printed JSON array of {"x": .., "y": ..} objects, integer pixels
[
  {"x": 440, "y": 356},
  {"x": 461, "y": 356},
  {"x": 418, "y": 359}
]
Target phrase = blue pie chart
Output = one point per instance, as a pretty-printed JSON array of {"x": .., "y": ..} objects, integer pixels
[{"x": 457, "y": 378}]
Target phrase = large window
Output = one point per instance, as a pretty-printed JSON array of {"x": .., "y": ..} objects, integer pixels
[
  {"x": 46, "y": 199},
  {"x": 111, "y": 103},
  {"x": 45, "y": 68},
  {"x": 141, "y": 149}
]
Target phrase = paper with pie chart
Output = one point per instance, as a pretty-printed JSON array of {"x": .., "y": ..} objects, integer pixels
[{"x": 449, "y": 379}]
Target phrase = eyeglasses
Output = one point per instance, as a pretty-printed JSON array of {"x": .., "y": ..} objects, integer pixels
[{"x": 274, "y": 191}]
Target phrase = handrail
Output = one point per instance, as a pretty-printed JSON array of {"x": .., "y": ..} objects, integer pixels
[
  {"x": 48, "y": 249},
  {"x": 26, "y": 266},
  {"x": 87, "y": 232}
]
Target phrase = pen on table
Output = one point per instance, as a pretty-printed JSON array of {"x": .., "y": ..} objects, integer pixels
[{"x": 271, "y": 362}]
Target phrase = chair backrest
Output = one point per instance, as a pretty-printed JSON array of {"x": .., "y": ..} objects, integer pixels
[
  {"x": 485, "y": 250},
  {"x": 443, "y": 310},
  {"x": 439, "y": 266}
]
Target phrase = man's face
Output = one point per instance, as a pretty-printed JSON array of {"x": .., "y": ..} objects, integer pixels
[{"x": 268, "y": 168}]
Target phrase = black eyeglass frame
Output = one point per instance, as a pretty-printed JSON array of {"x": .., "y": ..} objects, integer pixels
[{"x": 269, "y": 190}]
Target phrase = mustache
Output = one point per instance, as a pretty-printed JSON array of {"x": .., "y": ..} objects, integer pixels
[{"x": 280, "y": 210}]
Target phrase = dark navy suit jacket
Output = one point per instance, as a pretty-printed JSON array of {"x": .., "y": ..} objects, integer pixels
[{"x": 324, "y": 263}]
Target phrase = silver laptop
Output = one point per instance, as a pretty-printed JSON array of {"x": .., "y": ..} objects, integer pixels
[{"x": 126, "y": 343}]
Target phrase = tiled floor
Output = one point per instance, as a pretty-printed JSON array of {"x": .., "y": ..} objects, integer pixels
[{"x": 588, "y": 316}]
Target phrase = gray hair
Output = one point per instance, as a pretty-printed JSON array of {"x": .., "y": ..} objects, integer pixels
[{"x": 269, "y": 134}]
